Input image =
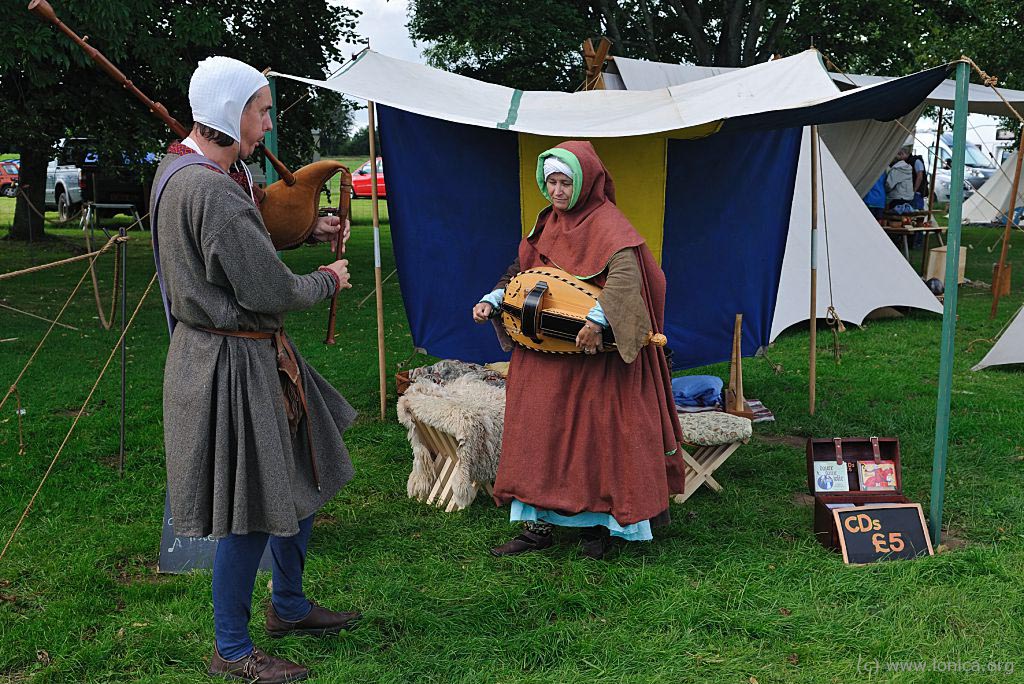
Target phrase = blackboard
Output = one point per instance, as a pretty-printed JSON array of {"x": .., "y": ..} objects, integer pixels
[
  {"x": 184, "y": 554},
  {"x": 880, "y": 532}
]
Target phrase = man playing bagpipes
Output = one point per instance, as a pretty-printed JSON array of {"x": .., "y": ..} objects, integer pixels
[{"x": 253, "y": 434}]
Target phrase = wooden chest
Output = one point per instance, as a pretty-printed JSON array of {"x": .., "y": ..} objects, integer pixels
[{"x": 849, "y": 451}]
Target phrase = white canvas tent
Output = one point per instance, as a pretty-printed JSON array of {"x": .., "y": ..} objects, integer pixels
[
  {"x": 1009, "y": 348},
  {"x": 989, "y": 203},
  {"x": 862, "y": 148},
  {"x": 859, "y": 268}
]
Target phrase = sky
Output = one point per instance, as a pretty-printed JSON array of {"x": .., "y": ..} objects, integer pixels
[{"x": 383, "y": 23}]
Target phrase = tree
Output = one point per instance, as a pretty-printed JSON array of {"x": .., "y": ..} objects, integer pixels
[
  {"x": 527, "y": 44},
  {"x": 536, "y": 43},
  {"x": 49, "y": 89}
]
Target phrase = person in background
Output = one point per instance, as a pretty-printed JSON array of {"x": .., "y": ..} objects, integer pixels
[
  {"x": 875, "y": 199},
  {"x": 920, "y": 180},
  {"x": 899, "y": 184}
]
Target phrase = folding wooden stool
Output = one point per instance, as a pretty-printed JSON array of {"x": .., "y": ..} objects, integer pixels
[{"x": 444, "y": 449}]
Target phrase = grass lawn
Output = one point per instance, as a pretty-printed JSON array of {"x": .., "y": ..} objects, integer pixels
[{"x": 736, "y": 590}]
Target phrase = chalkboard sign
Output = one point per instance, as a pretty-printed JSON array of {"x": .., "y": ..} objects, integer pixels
[
  {"x": 184, "y": 554},
  {"x": 880, "y": 532}
]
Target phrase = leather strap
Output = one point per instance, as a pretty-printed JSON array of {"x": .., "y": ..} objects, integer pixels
[
  {"x": 175, "y": 166},
  {"x": 288, "y": 369},
  {"x": 839, "y": 449},
  {"x": 530, "y": 320},
  {"x": 247, "y": 334},
  {"x": 875, "y": 450}
]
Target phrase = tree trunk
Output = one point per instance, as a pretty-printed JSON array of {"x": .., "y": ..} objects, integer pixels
[{"x": 28, "y": 225}]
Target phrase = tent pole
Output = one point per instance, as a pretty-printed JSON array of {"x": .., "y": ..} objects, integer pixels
[
  {"x": 935, "y": 168},
  {"x": 956, "y": 206},
  {"x": 997, "y": 277},
  {"x": 813, "y": 372},
  {"x": 378, "y": 282}
]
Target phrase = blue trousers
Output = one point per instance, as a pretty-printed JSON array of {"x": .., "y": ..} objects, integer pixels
[{"x": 234, "y": 575}]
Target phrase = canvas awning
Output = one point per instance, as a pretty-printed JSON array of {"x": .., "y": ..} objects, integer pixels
[
  {"x": 638, "y": 74},
  {"x": 782, "y": 93}
]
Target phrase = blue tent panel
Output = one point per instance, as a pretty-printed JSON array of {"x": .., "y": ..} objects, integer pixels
[
  {"x": 727, "y": 208},
  {"x": 454, "y": 208}
]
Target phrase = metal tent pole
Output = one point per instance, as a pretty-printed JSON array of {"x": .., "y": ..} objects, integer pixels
[
  {"x": 122, "y": 254},
  {"x": 813, "y": 370},
  {"x": 270, "y": 141},
  {"x": 956, "y": 205}
]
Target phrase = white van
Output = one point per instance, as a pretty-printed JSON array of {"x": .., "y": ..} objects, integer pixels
[{"x": 978, "y": 167}]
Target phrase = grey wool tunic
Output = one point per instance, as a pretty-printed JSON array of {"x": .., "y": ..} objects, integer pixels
[{"x": 233, "y": 464}]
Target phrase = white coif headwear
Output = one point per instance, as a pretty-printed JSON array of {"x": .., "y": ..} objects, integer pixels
[
  {"x": 553, "y": 164},
  {"x": 218, "y": 91}
]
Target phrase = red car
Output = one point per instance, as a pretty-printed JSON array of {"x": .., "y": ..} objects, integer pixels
[
  {"x": 362, "y": 180},
  {"x": 8, "y": 178}
]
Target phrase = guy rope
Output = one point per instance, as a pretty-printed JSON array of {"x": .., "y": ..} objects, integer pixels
[{"x": 81, "y": 411}]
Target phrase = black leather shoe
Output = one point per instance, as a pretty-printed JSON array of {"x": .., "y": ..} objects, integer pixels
[
  {"x": 319, "y": 622},
  {"x": 524, "y": 542},
  {"x": 597, "y": 542},
  {"x": 257, "y": 667}
]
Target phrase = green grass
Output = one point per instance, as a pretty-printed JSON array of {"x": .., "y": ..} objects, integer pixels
[{"x": 736, "y": 588}]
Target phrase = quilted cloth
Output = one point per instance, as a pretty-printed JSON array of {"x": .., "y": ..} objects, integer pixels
[{"x": 713, "y": 428}]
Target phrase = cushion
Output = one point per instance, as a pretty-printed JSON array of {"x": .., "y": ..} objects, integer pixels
[{"x": 713, "y": 428}]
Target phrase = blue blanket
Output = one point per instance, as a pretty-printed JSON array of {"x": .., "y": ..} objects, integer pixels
[{"x": 697, "y": 390}]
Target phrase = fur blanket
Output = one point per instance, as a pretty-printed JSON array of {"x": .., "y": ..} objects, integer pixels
[{"x": 470, "y": 410}]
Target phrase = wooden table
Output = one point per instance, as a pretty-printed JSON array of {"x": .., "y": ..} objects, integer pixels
[{"x": 907, "y": 231}]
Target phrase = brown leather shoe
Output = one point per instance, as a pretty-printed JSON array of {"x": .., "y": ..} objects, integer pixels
[
  {"x": 319, "y": 622},
  {"x": 524, "y": 542},
  {"x": 597, "y": 542},
  {"x": 258, "y": 667}
]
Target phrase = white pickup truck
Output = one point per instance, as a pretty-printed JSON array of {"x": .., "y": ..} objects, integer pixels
[{"x": 63, "y": 188}]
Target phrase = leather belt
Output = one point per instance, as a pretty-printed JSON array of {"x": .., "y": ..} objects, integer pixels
[{"x": 291, "y": 383}]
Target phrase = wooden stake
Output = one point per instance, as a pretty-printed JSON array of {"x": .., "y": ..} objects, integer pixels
[
  {"x": 997, "y": 278},
  {"x": 378, "y": 281},
  {"x": 813, "y": 371},
  {"x": 931, "y": 181},
  {"x": 737, "y": 357}
]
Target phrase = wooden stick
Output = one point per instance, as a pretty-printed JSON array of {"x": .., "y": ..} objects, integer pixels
[
  {"x": 378, "y": 280},
  {"x": 813, "y": 371},
  {"x": 997, "y": 279},
  {"x": 931, "y": 181},
  {"x": 737, "y": 356}
]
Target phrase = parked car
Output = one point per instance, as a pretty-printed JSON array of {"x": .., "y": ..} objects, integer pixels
[
  {"x": 942, "y": 178},
  {"x": 78, "y": 174},
  {"x": 9, "y": 178},
  {"x": 362, "y": 180}
]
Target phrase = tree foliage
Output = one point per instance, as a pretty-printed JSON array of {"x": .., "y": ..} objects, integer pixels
[
  {"x": 49, "y": 89},
  {"x": 536, "y": 43}
]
